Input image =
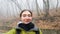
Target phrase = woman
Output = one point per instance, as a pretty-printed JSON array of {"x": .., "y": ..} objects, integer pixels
[{"x": 25, "y": 26}]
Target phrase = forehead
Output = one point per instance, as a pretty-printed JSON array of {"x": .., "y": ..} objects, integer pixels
[{"x": 26, "y": 12}]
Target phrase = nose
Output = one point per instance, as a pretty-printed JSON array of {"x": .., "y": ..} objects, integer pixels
[{"x": 27, "y": 17}]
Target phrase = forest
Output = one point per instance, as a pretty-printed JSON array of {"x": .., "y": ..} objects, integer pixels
[{"x": 46, "y": 13}]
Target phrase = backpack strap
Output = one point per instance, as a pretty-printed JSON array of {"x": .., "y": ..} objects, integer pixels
[
  {"x": 37, "y": 32},
  {"x": 18, "y": 31}
]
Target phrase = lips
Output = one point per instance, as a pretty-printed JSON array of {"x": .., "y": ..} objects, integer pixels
[{"x": 27, "y": 20}]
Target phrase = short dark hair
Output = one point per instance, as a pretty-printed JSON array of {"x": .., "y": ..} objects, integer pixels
[{"x": 24, "y": 11}]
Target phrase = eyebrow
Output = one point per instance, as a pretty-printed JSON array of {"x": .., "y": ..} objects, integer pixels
[{"x": 28, "y": 14}]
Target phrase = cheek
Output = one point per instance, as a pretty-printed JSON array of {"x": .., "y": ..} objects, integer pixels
[
  {"x": 26, "y": 19},
  {"x": 30, "y": 18}
]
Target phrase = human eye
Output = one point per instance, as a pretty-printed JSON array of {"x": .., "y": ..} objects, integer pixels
[
  {"x": 24, "y": 15},
  {"x": 29, "y": 15}
]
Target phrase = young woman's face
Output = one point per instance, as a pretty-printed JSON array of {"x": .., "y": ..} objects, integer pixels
[{"x": 26, "y": 17}]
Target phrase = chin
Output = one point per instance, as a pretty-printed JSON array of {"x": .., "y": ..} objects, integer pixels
[{"x": 27, "y": 22}]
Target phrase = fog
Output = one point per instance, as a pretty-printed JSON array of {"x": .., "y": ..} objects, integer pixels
[{"x": 10, "y": 8}]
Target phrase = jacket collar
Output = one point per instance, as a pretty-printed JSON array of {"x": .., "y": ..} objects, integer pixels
[{"x": 35, "y": 28}]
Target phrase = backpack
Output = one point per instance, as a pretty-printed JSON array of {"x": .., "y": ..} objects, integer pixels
[{"x": 18, "y": 31}]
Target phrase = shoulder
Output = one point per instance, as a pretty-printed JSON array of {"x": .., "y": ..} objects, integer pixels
[
  {"x": 40, "y": 31},
  {"x": 11, "y": 31}
]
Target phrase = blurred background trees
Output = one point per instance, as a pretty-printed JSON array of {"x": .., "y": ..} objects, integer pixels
[{"x": 46, "y": 10}]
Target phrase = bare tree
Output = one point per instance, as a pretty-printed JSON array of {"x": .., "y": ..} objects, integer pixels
[
  {"x": 15, "y": 1},
  {"x": 46, "y": 7},
  {"x": 28, "y": 3},
  {"x": 17, "y": 4},
  {"x": 57, "y": 6},
  {"x": 37, "y": 8}
]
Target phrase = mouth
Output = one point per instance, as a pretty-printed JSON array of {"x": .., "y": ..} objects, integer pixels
[{"x": 27, "y": 20}]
